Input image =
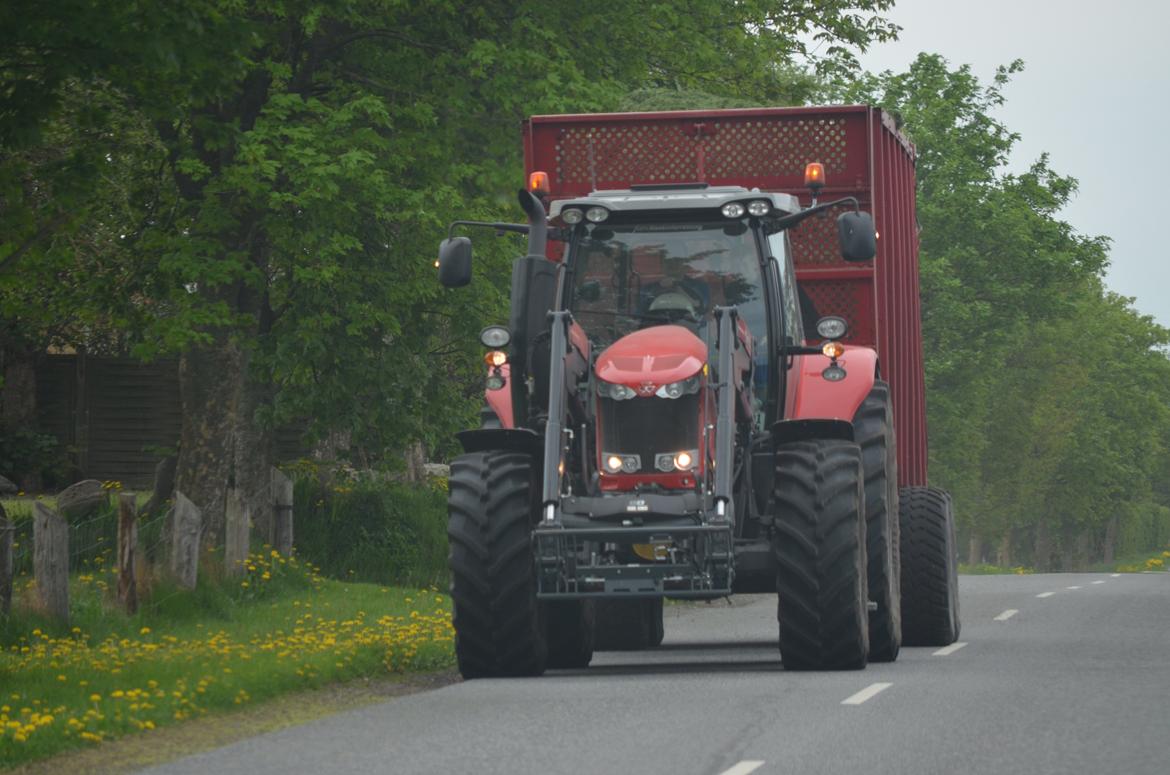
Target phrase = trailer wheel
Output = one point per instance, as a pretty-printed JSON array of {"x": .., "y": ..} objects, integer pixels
[
  {"x": 930, "y": 568},
  {"x": 818, "y": 508},
  {"x": 569, "y": 626},
  {"x": 498, "y": 627},
  {"x": 628, "y": 625},
  {"x": 873, "y": 428}
]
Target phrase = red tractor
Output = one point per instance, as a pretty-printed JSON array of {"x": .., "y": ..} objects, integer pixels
[{"x": 667, "y": 416}]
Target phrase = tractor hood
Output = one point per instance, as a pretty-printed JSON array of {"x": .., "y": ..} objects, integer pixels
[{"x": 648, "y": 359}]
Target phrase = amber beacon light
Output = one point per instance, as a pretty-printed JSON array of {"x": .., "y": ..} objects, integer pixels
[{"x": 538, "y": 182}]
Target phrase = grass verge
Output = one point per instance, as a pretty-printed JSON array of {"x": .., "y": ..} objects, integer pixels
[{"x": 188, "y": 654}]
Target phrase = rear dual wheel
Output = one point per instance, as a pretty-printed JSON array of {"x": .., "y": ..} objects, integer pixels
[{"x": 930, "y": 568}]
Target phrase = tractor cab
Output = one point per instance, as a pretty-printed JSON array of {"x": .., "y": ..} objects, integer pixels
[{"x": 657, "y": 256}]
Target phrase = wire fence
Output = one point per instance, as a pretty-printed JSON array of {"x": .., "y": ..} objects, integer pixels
[{"x": 93, "y": 541}]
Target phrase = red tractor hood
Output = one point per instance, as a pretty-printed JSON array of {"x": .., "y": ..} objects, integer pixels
[{"x": 648, "y": 359}]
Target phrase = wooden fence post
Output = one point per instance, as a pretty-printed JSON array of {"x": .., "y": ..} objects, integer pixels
[
  {"x": 127, "y": 551},
  {"x": 51, "y": 560},
  {"x": 6, "y": 562},
  {"x": 236, "y": 542},
  {"x": 186, "y": 536},
  {"x": 282, "y": 512}
]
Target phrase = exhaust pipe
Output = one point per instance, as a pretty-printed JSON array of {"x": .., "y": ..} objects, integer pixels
[{"x": 537, "y": 222}]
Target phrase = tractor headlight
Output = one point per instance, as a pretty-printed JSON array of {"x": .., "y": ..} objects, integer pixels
[
  {"x": 676, "y": 389},
  {"x": 495, "y": 337},
  {"x": 615, "y": 463},
  {"x": 571, "y": 215},
  {"x": 596, "y": 214},
  {"x": 732, "y": 210},
  {"x": 616, "y": 392},
  {"x": 758, "y": 208},
  {"x": 676, "y": 461}
]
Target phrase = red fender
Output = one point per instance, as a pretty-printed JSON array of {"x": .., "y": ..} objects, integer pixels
[{"x": 812, "y": 397}]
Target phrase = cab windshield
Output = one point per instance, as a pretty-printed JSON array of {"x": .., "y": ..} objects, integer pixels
[{"x": 632, "y": 276}]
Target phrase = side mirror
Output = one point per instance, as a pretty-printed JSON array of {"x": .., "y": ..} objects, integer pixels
[
  {"x": 857, "y": 236},
  {"x": 590, "y": 291},
  {"x": 455, "y": 262}
]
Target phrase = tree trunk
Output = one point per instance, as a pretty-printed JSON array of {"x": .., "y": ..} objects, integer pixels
[
  {"x": 1042, "y": 554},
  {"x": 208, "y": 382},
  {"x": 223, "y": 446},
  {"x": 975, "y": 550},
  {"x": 1004, "y": 555},
  {"x": 1109, "y": 548}
]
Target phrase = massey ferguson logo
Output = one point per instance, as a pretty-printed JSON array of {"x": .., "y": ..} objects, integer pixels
[{"x": 646, "y": 389}]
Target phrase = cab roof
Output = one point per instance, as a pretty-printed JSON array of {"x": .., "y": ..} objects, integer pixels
[{"x": 674, "y": 197}]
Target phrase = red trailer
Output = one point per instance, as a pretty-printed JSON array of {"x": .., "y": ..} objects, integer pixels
[{"x": 864, "y": 156}]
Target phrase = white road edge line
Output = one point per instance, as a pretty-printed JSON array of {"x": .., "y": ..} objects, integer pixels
[
  {"x": 744, "y": 767},
  {"x": 866, "y": 693},
  {"x": 1046, "y": 594},
  {"x": 1114, "y": 575},
  {"x": 1008, "y": 614},
  {"x": 946, "y": 651},
  {"x": 1077, "y": 586}
]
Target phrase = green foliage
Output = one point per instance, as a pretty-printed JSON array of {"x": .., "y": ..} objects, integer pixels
[
  {"x": 25, "y": 452},
  {"x": 279, "y": 174},
  {"x": 374, "y": 531},
  {"x": 1047, "y": 419}
]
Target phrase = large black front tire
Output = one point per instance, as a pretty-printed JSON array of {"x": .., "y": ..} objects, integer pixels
[
  {"x": 499, "y": 630},
  {"x": 930, "y": 568},
  {"x": 570, "y": 633},
  {"x": 873, "y": 429},
  {"x": 818, "y": 510},
  {"x": 628, "y": 625}
]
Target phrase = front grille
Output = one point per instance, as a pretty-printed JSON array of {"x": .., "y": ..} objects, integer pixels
[{"x": 649, "y": 426}]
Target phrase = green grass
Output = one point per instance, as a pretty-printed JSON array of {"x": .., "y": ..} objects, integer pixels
[
  {"x": 984, "y": 569},
  {"x": 227, "y": 644}
]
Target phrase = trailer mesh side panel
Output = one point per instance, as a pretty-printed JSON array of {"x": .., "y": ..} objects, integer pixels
[{"x": 768, "y": 148}]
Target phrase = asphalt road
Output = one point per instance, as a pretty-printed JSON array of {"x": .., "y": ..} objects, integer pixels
[{"x": 1066, "y": 673}]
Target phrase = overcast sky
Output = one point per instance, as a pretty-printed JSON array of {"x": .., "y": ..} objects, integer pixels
[{"x": 1094, "y": 94}]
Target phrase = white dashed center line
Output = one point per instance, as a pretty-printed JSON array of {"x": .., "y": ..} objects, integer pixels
[
  {"x": 1099, "y": 581},
  {"x": 1073, "y": 587},
  {"x": 1046, "y": 594},
  {"x": 743, "y": 768},
  {"x": 1114, "y": 575},
  {"x": 866, "y": 693},
  {"x": 1008, "y": 614},
  {"x": 946, "y": 651}
]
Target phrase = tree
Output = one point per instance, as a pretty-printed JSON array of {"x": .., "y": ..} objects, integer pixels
[
  {"x": 312, "y": 155},
  {"x": 1041, "y": 410}
]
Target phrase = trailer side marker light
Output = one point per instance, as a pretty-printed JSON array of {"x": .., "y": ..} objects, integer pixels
[
  {"x": 495, "y": 358},
  {"x": 833, "y": 350},
  {"x": 538, "y": 182}
]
